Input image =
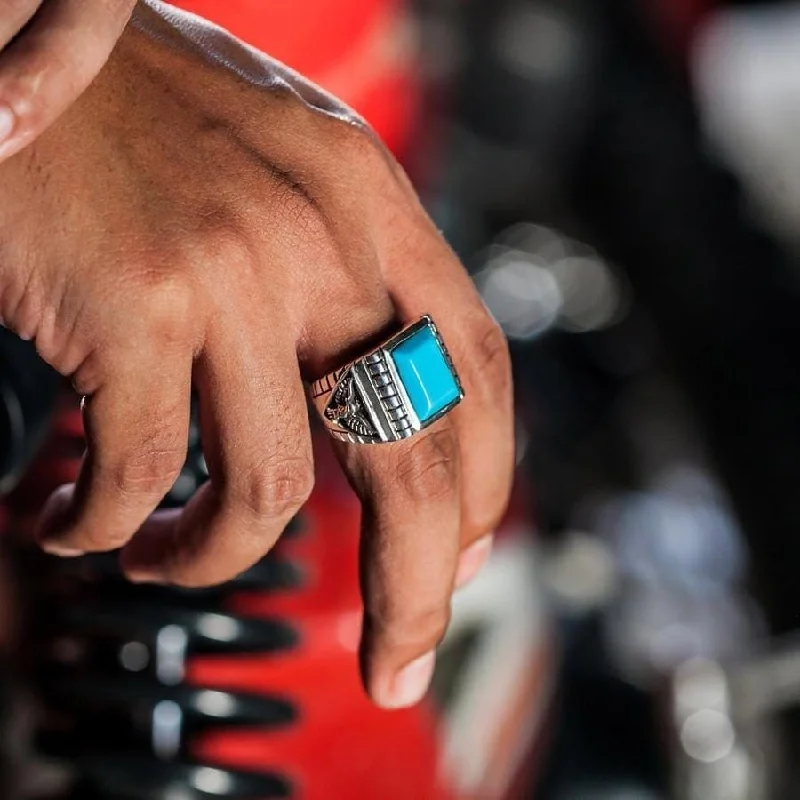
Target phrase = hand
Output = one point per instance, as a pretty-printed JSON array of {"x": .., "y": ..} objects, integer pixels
[
  {"x": 50, "y": 50},
  {"x": 203, "y": 216}
]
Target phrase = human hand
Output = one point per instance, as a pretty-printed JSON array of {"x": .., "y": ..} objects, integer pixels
[
  {"x": 203, "y": 217},
  {"x": 50, "y": 50}
]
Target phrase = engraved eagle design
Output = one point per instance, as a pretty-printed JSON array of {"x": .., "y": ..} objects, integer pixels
[{"x": 347, "y": 410}]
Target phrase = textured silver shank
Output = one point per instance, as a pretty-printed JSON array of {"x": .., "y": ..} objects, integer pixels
[{"x": 391, "y": 395}]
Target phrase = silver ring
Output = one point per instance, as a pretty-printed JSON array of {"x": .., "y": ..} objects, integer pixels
[{"x": 392, "y": 392}]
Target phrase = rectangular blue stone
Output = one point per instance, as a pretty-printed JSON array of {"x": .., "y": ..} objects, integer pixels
[{"x": 428, "y": 380}]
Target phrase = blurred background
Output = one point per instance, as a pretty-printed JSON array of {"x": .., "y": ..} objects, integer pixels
[{"x": 622, "y": 179}]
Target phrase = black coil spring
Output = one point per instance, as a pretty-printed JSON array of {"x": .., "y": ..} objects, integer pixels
[{"x": 109, "y": 660}]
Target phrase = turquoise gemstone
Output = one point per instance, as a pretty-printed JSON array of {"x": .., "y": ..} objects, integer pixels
[{"x": 428, "y": 380}]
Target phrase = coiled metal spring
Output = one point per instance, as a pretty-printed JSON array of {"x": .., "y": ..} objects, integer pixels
[{"x": 110, "y": 662}]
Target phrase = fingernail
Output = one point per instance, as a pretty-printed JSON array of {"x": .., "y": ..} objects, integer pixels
[
  {"x": 410, "y": 683},
  {"x": 144, "y": 577},
  {"x": 472, "y": 559},
  {"x": 7, "y": 123},
  {"x": 140, "y": 574},
  {"x": 56, "y": 549}
]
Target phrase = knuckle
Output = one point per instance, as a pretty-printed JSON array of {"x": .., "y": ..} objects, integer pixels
[
  {"x": 428, "y": 469},
  {"x": 220, "y": 239},
  {"x": 36, "y": 67},
  {"x": 276, "y": 488},
  {"x": 359, "y": 291},
  {"x": 30, "y": 112},
  {"x": 492, "y": 357},
  {"x": 361, "y": 146},
  {"x": 151, "y": 473},
  {"x": 168, "y": 302},
  {"x": 40, "y": 66}
]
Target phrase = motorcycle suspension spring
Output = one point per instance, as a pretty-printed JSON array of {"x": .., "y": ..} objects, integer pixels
[{"x": 113, "y": 663}]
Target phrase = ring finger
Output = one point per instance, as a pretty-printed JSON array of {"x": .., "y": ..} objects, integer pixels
[
  {"x": 411, "y": 498},
  {"x": 485, "y": 419}
]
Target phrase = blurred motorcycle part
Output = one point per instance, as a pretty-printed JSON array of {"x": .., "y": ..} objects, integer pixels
[
  {"x": 746, "y": 71},
  {"x": 28, "y": 393}
]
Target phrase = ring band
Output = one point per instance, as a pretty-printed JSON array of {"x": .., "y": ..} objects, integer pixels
[{"x": 392, "y": 392}]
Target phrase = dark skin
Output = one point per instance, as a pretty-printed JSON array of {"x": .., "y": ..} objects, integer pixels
[{"x": 201, "y": 217}]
